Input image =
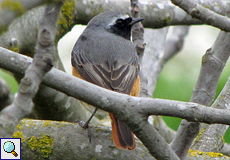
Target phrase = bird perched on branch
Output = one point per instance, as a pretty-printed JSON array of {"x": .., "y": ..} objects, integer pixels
[{"x": 105, "y": 56}]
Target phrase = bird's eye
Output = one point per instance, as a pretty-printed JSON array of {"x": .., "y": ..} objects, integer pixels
[
  {"x": 120, "y": 22},
  {"x": 128, "y": 20}
]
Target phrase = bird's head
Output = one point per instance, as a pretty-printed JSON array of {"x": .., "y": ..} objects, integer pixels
[{"x": 115, "y": 23}]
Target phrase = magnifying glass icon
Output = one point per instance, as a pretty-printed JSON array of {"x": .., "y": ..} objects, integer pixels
[{"x": 9, "y": 147}]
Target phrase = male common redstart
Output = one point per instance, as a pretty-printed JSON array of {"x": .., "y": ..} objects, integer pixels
[{"x": 105, "y": 56}]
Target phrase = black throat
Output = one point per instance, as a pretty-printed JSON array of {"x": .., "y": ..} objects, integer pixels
[{"x": 124, "y": 32}]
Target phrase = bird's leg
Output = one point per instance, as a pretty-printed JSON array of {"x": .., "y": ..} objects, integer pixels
[{"x": 86, "y": 124}]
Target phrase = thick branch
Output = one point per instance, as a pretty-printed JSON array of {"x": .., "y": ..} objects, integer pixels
[
  {"x": 112, "y": 102},
  {"x": 37, "y": 135},
  {"x": 62, "y": 138},
  {"x": 157, "y": 14}
]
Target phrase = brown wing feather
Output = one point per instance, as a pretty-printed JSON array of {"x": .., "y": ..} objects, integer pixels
[{"x": 118, "y": 77}]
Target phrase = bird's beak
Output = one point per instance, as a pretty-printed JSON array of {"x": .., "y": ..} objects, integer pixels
[{"x": 135, "y": 20}]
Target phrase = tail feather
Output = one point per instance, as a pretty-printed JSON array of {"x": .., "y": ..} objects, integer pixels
[{"x": 122, "y": 136}]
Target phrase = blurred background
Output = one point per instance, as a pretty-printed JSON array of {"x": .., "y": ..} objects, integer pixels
[{"x": 179, "y": 75}]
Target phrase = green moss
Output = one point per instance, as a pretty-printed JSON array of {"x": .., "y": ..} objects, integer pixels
[
  {"x": 42, "y": 145},
  {"x": 204, "y": 59},
  {"x": 47, "y": 124},
  {"x": 19, "y": 134},
  {"x": 15, "y": 49},
  {"x": 99, "y": 130},
  {"x": 19, "y": 127},
  {"x": 3, "y": 29},
  {"x": 62, "y": 124},
  {"x": 194, "y": 153},
  {"x": 143, "y": 155},
  {"x": 30, "y": 123},
  {"x": 213, "y": 154},
  {"x": 166, "y": 20},
  {"x": 100, "y": 9},
  {"x": 13, "y": 5},
  {"x": 155, "y": 120},
  {"x": 66, "y": 18},
  {"x": 33, "y": 143},
  {"x": 222, "y": 138},
  {"x": 199, "y": 134},
  {"x": 14, "y": 46}
]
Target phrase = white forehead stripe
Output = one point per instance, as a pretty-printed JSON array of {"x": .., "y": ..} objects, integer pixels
[{"x": 123, "y": 16}]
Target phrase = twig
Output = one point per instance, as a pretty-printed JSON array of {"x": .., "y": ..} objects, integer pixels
[
  {"x": 175, "y": 41},
  {"x": 6, "y": 97},
  {"x": 205, "y": 15}
]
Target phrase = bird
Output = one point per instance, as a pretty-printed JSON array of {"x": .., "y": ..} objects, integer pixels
[{"x": 105, "y": 56}]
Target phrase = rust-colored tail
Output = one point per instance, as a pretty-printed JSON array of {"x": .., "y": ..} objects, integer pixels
[{"x": 122, "y": 136}]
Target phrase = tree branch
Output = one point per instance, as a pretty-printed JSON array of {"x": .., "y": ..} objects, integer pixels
[
  {"x": 156, "y": 144},
  {"x": 157, "y": 14},
  {"x": 159, "y": 7},
  {"x": 46, "y": 137},
  {"x": 23, "y": 30},
  {"x": 211, "y": 136},
  {"x": 10, "y": 10},
  {"x": 137, "y": 30},
  {"x": 205, "y": 15},
  {"x": 6, "y": 97},
  {"x": 226, "y": 149},
  {"x": 175, "y": 41},
  {"x": 138, "y": 38},
  {"x": 23, "y": 33},
  {"x": 123, "y": 106},
  {"x": 73, "y": 140},
  {"x": 213, "y": 63},
  {"x": 42, "y": 63}
]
